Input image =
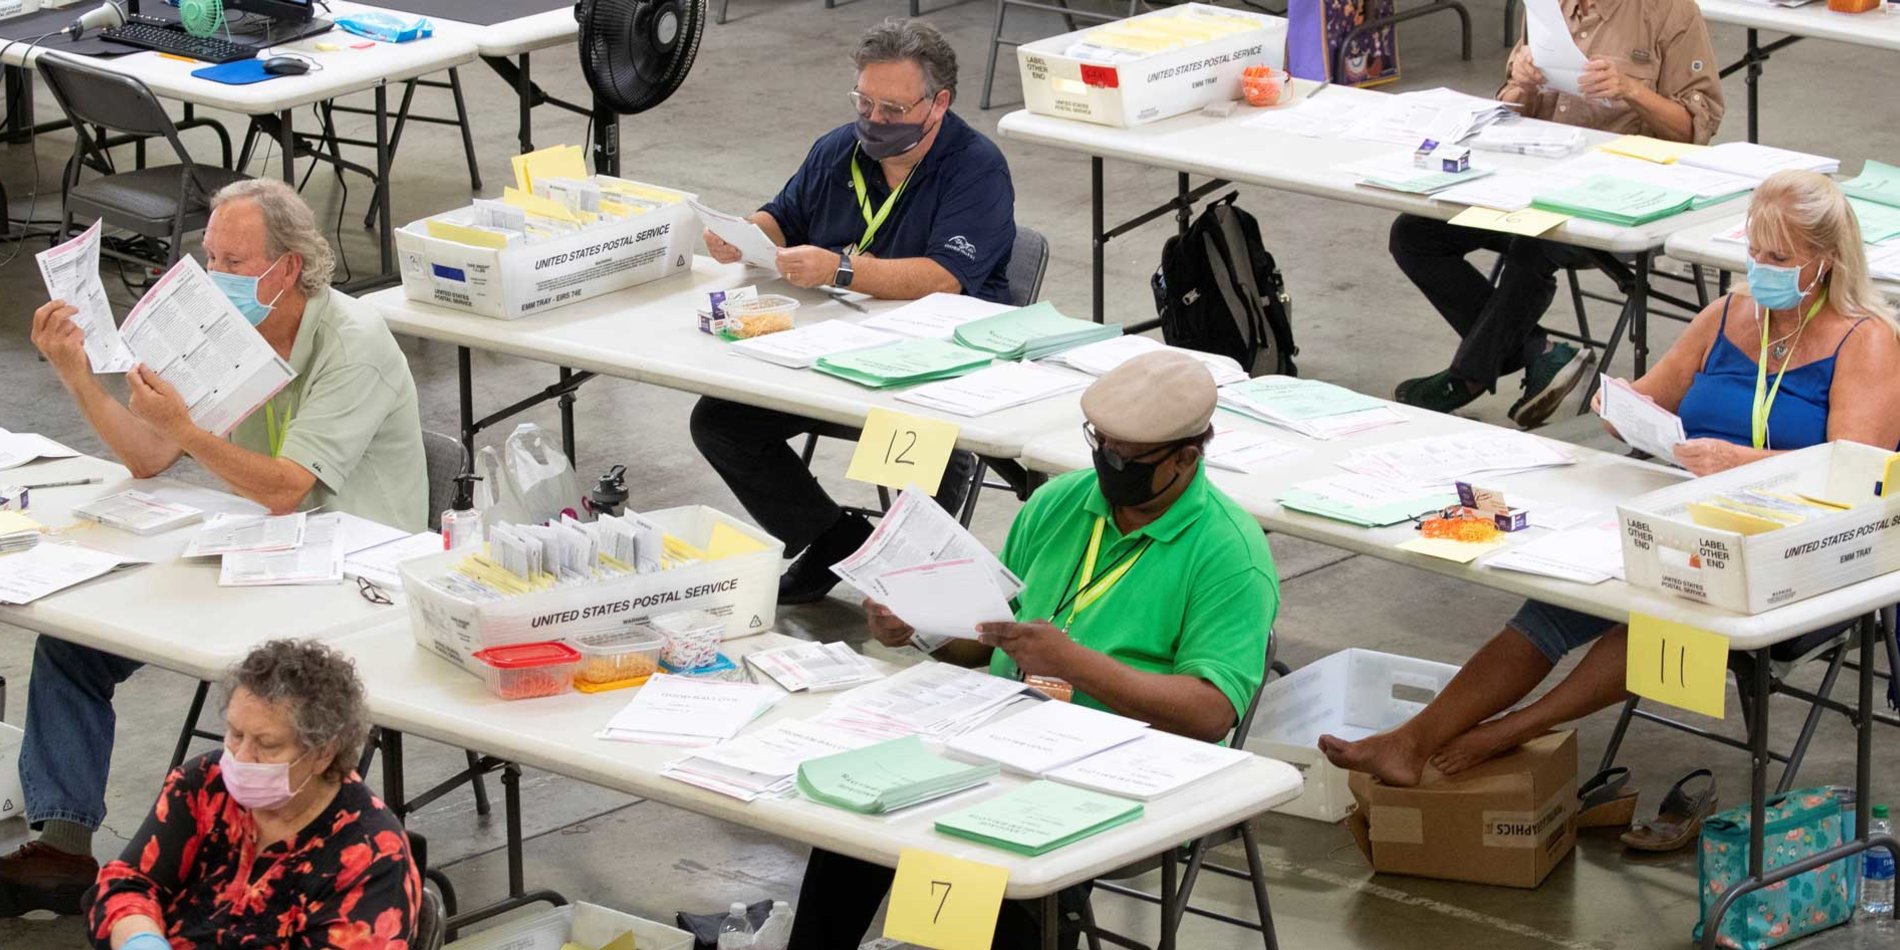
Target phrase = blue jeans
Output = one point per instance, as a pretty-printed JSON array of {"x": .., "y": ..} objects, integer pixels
[{"x": 67, "y": 752}]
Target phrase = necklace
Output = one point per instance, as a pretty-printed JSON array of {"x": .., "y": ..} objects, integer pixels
[{"x": 1780, "y": 347}]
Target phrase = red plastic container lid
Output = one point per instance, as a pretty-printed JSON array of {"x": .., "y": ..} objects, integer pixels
[{"x": 523, "y": 656}]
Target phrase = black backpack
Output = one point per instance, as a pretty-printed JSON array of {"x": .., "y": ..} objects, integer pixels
[{"x": 1219, "y": 291}]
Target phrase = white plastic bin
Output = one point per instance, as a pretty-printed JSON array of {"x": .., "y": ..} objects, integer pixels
[
  {"x": 589, "y": 925},
  {"x": 742, "y": 590},
  {"x": 1351, "y": 694}
]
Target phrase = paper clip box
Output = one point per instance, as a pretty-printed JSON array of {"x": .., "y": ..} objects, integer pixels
[
  {"x": 512, "y": 282},
  {"x": 741, "y": 589},
  {"x": 1139, "y": 88},
  {"x": 1664, "y": 549}
]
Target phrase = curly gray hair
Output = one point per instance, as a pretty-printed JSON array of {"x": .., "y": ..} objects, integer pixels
[
  {"x": 898, "y": 39},
  {"x": 319, "y": 685},
  {"x": 289, "y": 226}
]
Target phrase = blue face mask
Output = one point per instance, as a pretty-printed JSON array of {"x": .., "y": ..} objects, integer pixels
[
  {"x": 1774, "y": 286},
  {"x": 242, "y": 292}
]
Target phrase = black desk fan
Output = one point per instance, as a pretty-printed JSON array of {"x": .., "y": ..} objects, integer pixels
[{"x": 634, "y": 53}]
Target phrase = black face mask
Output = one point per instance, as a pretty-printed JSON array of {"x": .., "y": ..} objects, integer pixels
[
  {"x": 882, "y": 140},
  {"x": 1133, "y": 483}
]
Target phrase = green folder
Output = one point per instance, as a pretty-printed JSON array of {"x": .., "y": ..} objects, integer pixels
[
  {"x": 1032, "y": 332},
  {"x": 1878, "y": 222},
  {"x": 1421, "y": 181},
  {"x": 1039, "y": 817},
  {"x": 903, "y": 363},
  {"x": 1877, "y": 182},
  {"x": 1615, "y": 200},
  {"x": 887, "y": 776},
  {"x": 1374, "y": 516},
  {"x": 1299, "y": 400}
]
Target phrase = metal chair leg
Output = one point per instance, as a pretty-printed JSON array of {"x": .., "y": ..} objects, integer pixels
[
  {"x": 1616, "y": 737},
  {"x": 480, "y": 785},
  {"x": 468, "y": 137},
  {"x": 1257, "y": 870},
  {"x": 191, "y": 724},
  {"x": 996, "y": 40},
  {"x": 1810, "y": 722}
]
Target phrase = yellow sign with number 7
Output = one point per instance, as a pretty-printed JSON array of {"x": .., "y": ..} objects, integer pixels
[
  {"x": 897, "y": 451},
  {"x": 944, "y": 903}
]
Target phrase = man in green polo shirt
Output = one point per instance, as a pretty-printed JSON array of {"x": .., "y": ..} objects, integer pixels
[
  {"x": 1146, "y": 589},
  {"x": 345, "y": 435}
]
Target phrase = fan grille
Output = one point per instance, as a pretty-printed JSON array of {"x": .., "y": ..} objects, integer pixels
[
  {"x": 636, "y": 53},
  {"x": 201, "y": 17}
]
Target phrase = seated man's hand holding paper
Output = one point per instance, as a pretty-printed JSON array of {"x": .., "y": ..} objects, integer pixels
[
  {"x": 60, "y": 339},
  {"x": 886, "y": 628},
  {"x": 808, "y": 266},
  {"x": 719, "y": 250},
  {"x": 1602, "y": 79},
  {"x": 1038, "y": 648},
  {"x": 1525, "y": 78},
  {"x": 157, "y": 402}
]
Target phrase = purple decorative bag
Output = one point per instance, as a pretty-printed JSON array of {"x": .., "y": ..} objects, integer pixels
[{"x": 1316, "y": 30}]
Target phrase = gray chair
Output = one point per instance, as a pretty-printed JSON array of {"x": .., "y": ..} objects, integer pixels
[
  {"x": 164, "y": 202},
  {"x": 444, "y": 458}
]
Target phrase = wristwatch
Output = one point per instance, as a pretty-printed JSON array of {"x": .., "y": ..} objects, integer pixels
[{"x": 843, "y": 277}]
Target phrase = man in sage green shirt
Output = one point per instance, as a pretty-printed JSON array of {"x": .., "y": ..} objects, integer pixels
[
  {"x": 1145, "y": 588},
  {"x": 345, "y": 434}
]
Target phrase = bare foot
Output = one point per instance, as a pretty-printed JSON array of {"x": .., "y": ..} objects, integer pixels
[
  {"x": 1391, "y": 757},
  {"x": 1481, "y": 743}
]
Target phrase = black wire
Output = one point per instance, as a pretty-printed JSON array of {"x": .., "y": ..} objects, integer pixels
[{"x": 33, "y": 151}]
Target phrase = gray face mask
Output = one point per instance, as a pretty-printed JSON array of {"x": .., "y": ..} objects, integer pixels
[{"x": 882, "y": 140}]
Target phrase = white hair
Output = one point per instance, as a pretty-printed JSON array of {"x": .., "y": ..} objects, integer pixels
[{"x": 289, "y": 227}]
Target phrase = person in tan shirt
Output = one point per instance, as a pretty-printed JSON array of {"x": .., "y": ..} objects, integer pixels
[{"x": 1651, "y": 71}]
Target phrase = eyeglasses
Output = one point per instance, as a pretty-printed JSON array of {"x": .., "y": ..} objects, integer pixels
[
  {"x": 1116, "y": 460},
  {"x": 369, "y": 591},
  {"x": 891, "y": 111}
]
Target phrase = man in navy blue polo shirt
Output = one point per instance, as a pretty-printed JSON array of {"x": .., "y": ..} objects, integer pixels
[{"x": 904, "y": 202}]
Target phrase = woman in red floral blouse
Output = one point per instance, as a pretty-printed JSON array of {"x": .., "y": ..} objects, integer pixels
[{"x": 274, "y": 842}]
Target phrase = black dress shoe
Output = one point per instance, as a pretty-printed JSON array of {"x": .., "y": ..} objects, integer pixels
[{"x": 809, "y": 578}]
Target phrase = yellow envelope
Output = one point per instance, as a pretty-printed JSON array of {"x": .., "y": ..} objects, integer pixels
[
  {"x": 1462, "y": 552},
  {"x": 463, "y": 234},
  {"x": 1529, "y": 222},
  {"x": 559, "y": 161},
  {"x": 535, "y": 204},
  {"x": 1728, "y": 519},
  {"x": 727, "y": 541},
  {"x": 12, "y": 521},
  {"x": 1650, "y": 149}
]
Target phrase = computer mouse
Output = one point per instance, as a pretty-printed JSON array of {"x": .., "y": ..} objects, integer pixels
[{"x": 286, "y": 66}]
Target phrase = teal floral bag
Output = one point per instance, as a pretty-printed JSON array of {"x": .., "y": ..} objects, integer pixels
[{"x": 1799, "y": 824}]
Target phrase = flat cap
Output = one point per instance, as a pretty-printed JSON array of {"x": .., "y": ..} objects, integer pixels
[{"x": 1162, "y": 396}]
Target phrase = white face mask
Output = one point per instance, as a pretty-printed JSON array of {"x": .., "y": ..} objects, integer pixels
[{"x": 260, "y": 786}]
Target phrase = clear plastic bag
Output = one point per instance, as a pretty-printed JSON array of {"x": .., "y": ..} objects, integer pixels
[{"x": 527, "y": 481}]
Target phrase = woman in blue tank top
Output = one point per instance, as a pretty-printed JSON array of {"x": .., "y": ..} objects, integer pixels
[{"x": 1807, "y": 353}]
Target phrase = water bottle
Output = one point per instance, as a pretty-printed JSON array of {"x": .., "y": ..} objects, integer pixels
[
  {"x": 776, "y": 932},
  {"x": 1876, "y": 871},
  {"x": 735, "y": 932}
]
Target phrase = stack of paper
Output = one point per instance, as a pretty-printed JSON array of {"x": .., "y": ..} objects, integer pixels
[
  {"x": 1530, "y": 137},
  {"x": 49, "y": 567},
  {"x": 930, "y": 699},
  {"x": 1615, "y": 200},
  {"x": 1750, "y": 160},
  {"x": 1031, "y": 333},
  {"x": 946, "y": 598},
  {"x": 999, "y": 387},
  {"x": 915, "y": 531},
  {"x": 1878, "y": 223},
  {"x": 1098, "y": 358},
  {"x": 1442, "y": 115},
  {"x": 137, "y": 512},
  {"x": 764, "y": 762},
  {"x": 18, "y": 532},
  {"x": 1039, "y": 817},
  {"x": 1707, "y": 186},
  {"x": 1242, "y": 450},
  {"x": 1877, "y": 182},
  {"x": 317, "y": 559},
  {"x": 1363, "y": 500},
  {"x": 689, "y": 711},
  {"x": 934, "y": 317},
  {"x": 1586, "y": 555},
  {"x": 378, "y": 563},
  {"x": 1547, "y": 39},
  {"x": 1396, "y": 172},
  {"x": 1884, "y": 262},
  {"x": 230, "y": 534},
  {"x": 906, "y": 363},
  {"x": 800, "y": 347},
  {"x": 1639, "y": 422},
  {"x": 1045, "y": 737},
  {"x": 1151, "y": 766},
  {"x": 814, "y": 667},
  {"x": 19, "y": 448},
  {"x": 1323, "y": 117},
  {"x": 1312, "y": 408},
  {"x": 1440, "y": 461},
  {"x": 886, "y": 777}
]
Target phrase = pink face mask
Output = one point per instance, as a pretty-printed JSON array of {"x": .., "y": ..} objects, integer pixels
[{"x": 259, "y": 786}]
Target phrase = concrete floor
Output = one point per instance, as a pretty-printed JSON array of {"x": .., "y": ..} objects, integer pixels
[{"x": 766, "y": 84}]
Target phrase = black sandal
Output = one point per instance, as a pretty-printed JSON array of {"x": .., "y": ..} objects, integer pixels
[
  {"x": 1679, "y": 821},
  {"x": 1605, "y": 801}
]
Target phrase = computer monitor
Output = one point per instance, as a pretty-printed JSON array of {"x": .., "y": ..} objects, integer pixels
[{"x": 291, "y": 10}]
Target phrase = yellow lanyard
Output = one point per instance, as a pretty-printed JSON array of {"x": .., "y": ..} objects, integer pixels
[
  {"x": 872, "y": 221},
  {"x": 1765, "y": 396},
  {"x": 276, "y": 432},
  {"x": 1087, "y": 593}
]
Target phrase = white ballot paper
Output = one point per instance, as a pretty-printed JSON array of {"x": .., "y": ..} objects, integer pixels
[
  {"x": 800, "y": 347},
  {"x": 757, "y": 248},
  {"x": 193, "y": 338},
  {"x": 1046, "y": 737},
  {"x": 1640, "y": 423},
  {"x": 1586, "y": 555},
  {"x": 1098, "y": 358},
  {"x": 946, "y": 598},
  {"x": 931, "y": 699},
  {"x": 994, "y": 388},
  {"x": 378, "y": 564},
  {"x": 816, "y": 667},
  {"x": 1151, "y": 766},
  {"x": 1552, "y": 49},
  {"x": 689, "y": 711},
  {"x": 1242, "y": 450},
  {"x": 318, "y": 560},
  {"x": 765, "y": 761},
  {"x": 19, "y": 448},
  {"x": 934, "y": 317},
  {"x": 48, "y": 567},
  {"x": 918, "y": 531},
  {"x": 228, "y": 534},
  {"x": 71, "y": 273}
]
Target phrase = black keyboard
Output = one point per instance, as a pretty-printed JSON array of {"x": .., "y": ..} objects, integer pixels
[{"x": 168, "y": 39}]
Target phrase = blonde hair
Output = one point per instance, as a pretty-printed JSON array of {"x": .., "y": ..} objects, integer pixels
[
  {"x": 289, "y": 226},
  {"x": 1799, "y": 209}
]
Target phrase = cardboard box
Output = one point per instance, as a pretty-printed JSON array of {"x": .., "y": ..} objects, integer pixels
[
  {"x": 1508, "y": 821},
  {"x": 1146, "y": 88},
  {"x": 1351, "y": 694},
  {"x": 589, "y": 925},
  {"x": 514, "y": 281},
  {"x": 1664, "y": 549}
]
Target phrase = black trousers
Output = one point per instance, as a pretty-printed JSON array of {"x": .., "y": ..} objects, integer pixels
[
  {"x": 1498, "y": 325},
  {"x": 840, "y": 897},
  {"x": 748, "y": 447}
]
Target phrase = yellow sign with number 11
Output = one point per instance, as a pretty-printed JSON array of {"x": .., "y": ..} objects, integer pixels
[
  {"x": 944, "y": 903},
  {"x": 1677, "y": 664}
]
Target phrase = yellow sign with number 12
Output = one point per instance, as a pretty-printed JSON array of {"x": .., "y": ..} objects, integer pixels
[
  {"x": 898, "y": 451},
  {"x": 944, "y": 903},
  {"x": 1677, "y": 664}
]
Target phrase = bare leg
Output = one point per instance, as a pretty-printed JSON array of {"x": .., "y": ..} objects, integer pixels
[
  {"x": 1596, "y": 683},
  {"x": 1497, "y": 676}
]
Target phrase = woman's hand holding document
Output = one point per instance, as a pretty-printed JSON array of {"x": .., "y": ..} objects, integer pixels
[{"x": 1637, "y": 419}]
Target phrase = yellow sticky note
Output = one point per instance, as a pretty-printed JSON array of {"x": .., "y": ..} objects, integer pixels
[
  {"x": 1650, "y": 149},
  {"x": 898, "y": 451},
  {"x": 943, "y": 902},
  {"x": 1529, "y": 222},
  {"x": 625, "y": 941},
  {"x": 1677, "y": 664},
  {"x": 463, "y": 234},
  {"x": 535, "y": 204},
  {"x": 560, "y": 161},
  {"x": 1462, "y": 552},
  {"x": 727, "y": 541},
  {"x": 12, "y": 521}
]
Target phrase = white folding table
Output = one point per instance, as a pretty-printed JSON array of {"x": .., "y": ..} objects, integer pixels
[
  {"x": 413, "y": 691},
  {"x": 1702, "y": 245},
  {"x": 1229, "y": 150},
  {"x": 1876, "y": 29},
  {"x": 1598, "y": 480}
]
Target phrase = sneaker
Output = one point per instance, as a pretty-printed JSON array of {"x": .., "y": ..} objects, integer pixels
[
  {"x": 809, "y": 578},
  {"x": 41, "y": 877},
  {"x": 1548, "y": 381},
  {"x": 1438, "y": 392}
]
